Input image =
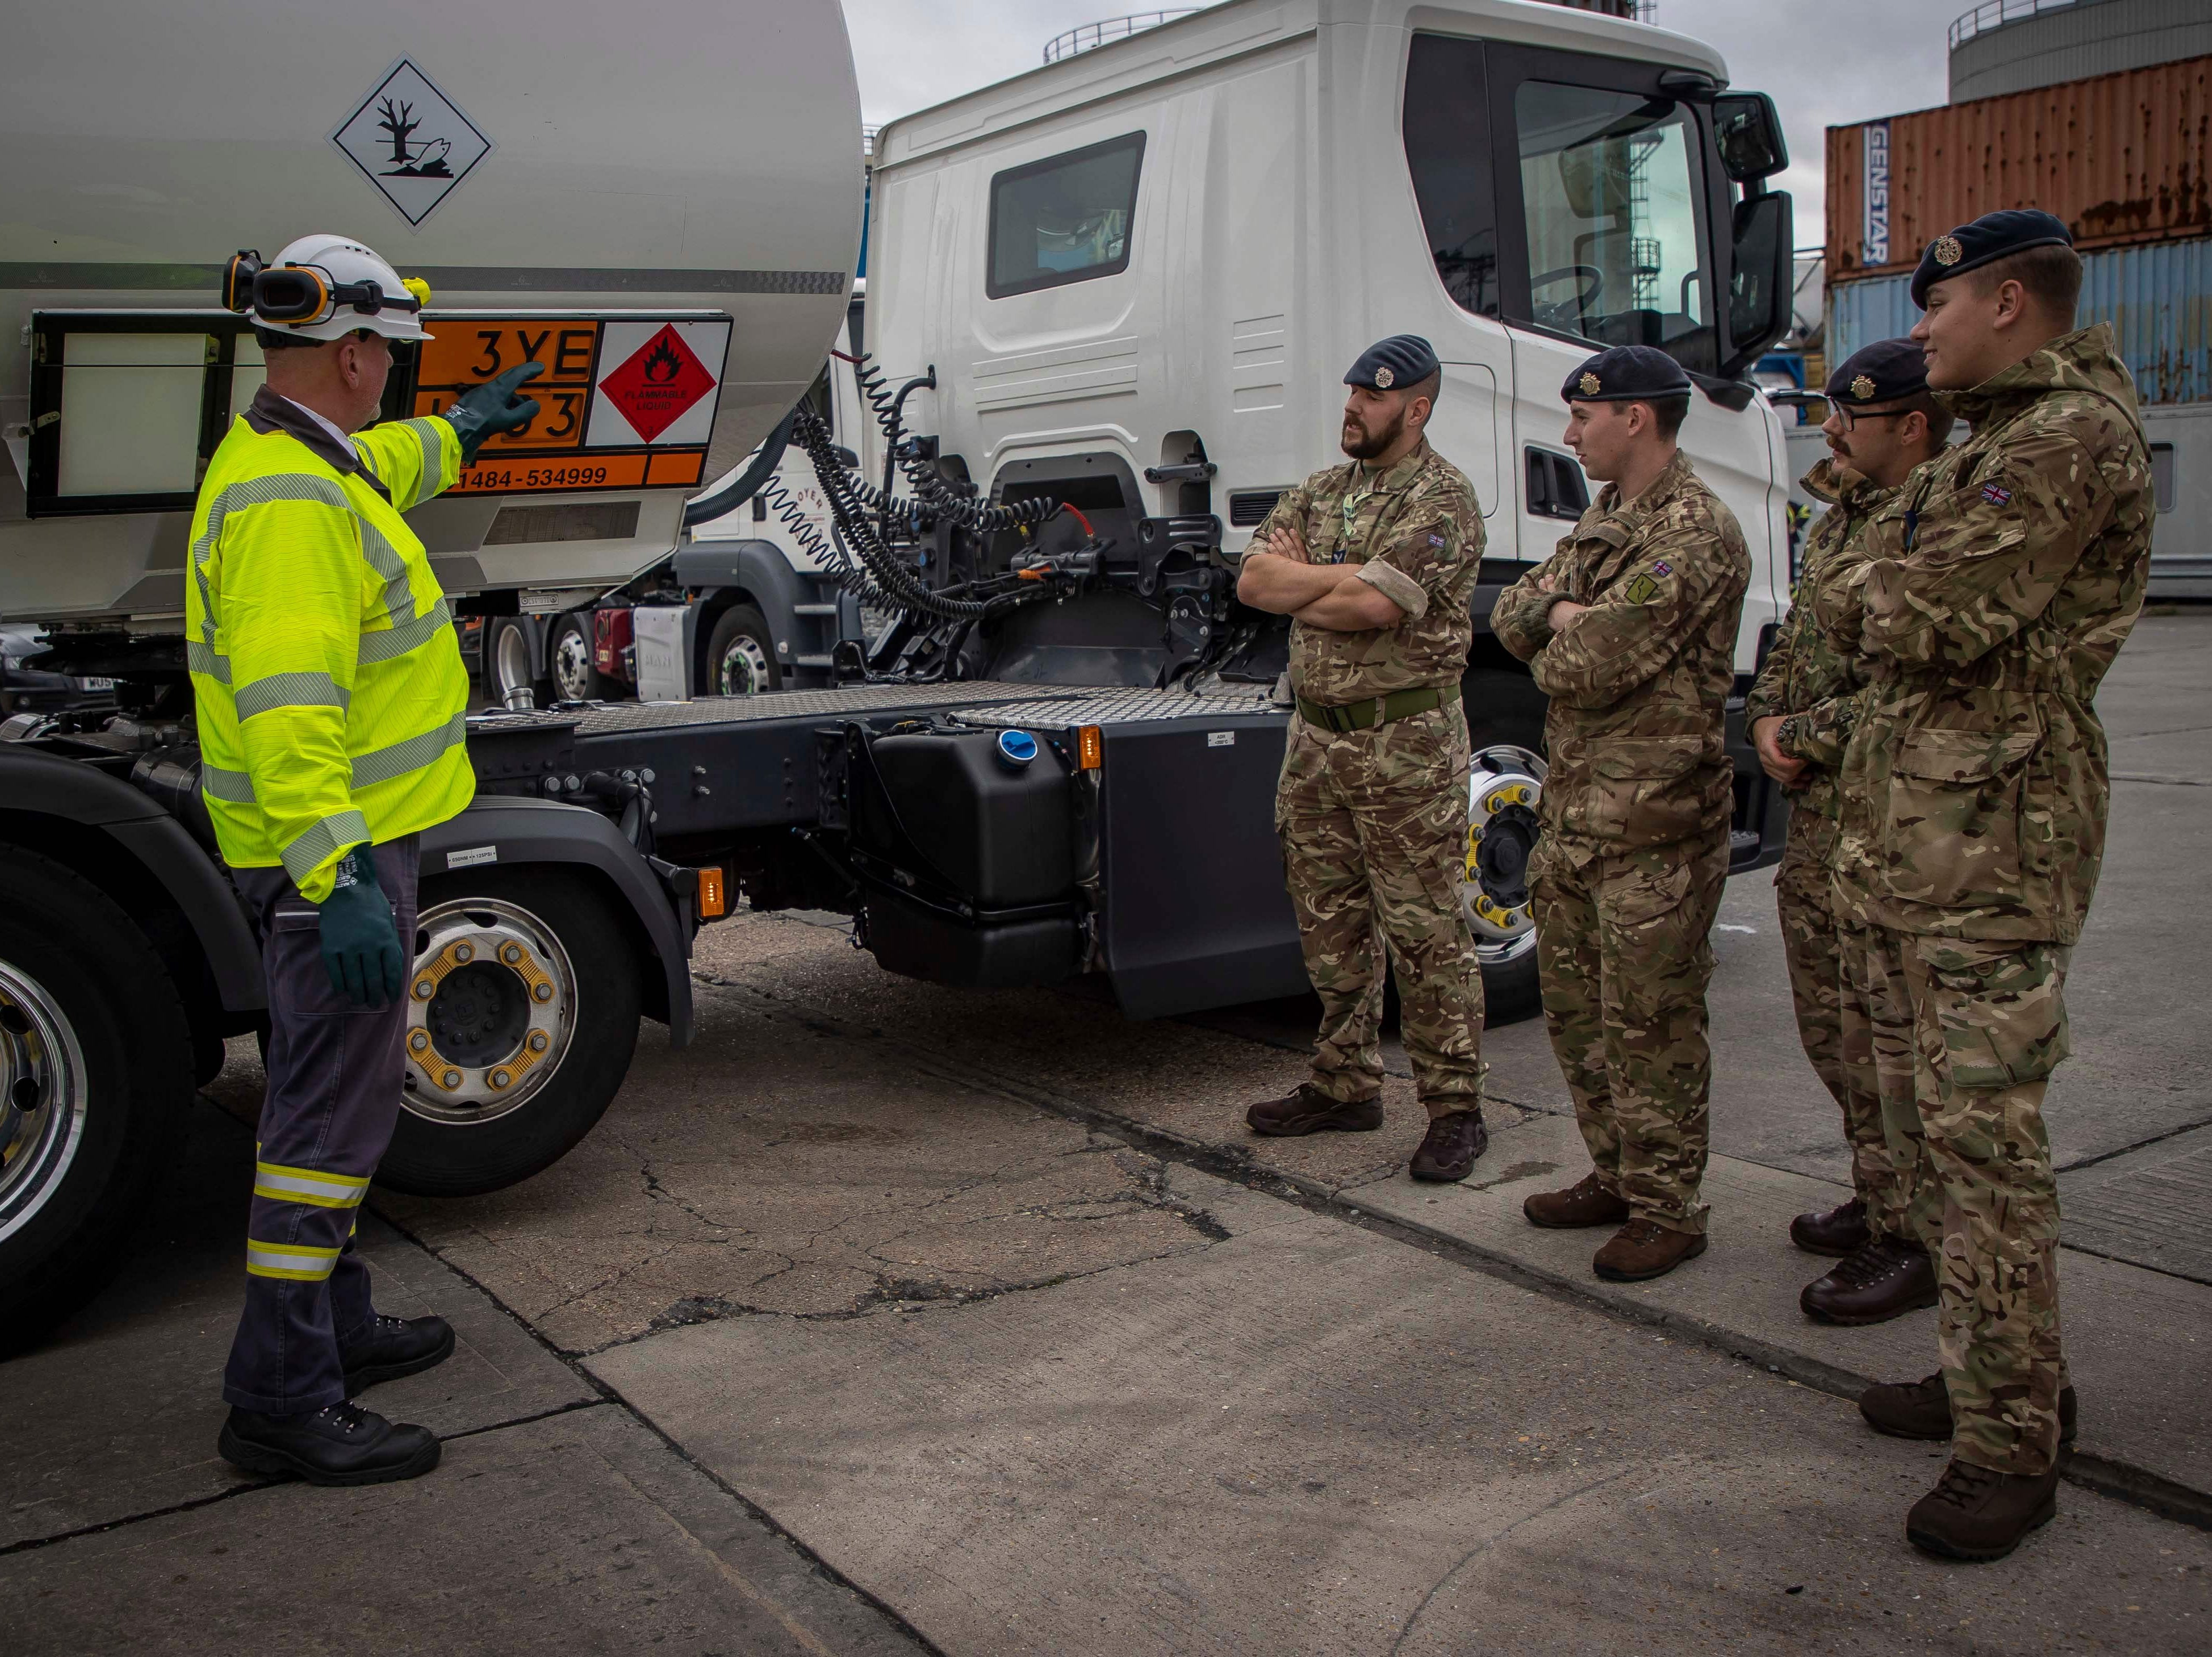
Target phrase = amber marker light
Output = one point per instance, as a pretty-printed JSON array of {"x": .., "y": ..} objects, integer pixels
[
  {"x": 1089, "y": 748},
  {"x": 714, "y": 898}
]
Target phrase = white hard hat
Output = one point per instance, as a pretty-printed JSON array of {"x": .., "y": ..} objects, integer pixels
[{"x": 325, "y": 287}]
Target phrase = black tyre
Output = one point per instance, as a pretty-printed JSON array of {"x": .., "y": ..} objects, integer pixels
[
  {"x": 741, "y": 654},
  {"x": 523, "y": 1013},
  {"x": 1505, "y": 730},
  {"x": 95, "y": 1076},
  {"x": 507, "y": 668},
  {"x": 569, "y": 660}
]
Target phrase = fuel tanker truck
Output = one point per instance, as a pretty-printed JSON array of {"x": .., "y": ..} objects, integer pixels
[
  {"x": 1112, "y": 300},
  {"x": 663, "y": 208}
]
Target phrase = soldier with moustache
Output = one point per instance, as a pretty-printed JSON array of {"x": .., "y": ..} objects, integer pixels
[{"x": 1851, "y": 1018}]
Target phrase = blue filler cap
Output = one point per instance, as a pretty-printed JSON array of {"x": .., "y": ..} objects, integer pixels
[{"x": 1016, "y": 749}]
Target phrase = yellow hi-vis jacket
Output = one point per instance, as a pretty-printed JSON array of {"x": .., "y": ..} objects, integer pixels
[{"x": 330, "y": 688}]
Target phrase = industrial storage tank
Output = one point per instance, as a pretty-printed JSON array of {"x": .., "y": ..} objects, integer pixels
[{"x": 695, "y": 160}]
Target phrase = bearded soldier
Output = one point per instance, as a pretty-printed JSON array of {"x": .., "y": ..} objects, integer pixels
[
  {"x": 1630, "y": 628},
  {"x": 1883, "y": 422},
  {"x": 2002, "y": 581},
  {"x": 1374, "y": 562}
]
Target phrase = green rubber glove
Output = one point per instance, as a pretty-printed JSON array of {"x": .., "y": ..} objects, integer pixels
[
  {"x": 360, "y": 944},
  {"x": 491, "y": 408}
]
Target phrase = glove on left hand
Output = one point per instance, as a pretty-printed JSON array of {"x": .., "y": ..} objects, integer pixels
[{"x": 491, "y": 408}]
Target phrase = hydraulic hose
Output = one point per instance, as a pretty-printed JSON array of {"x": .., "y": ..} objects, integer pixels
[{"x": 740, "y": 488}]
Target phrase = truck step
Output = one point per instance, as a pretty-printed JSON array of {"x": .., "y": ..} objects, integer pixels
[{"x": 813, "y": 609}]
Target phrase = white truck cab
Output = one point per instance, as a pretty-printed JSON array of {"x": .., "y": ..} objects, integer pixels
[{"x": 1152, "y": 263}]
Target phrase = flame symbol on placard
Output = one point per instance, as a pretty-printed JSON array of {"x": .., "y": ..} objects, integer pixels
[{"x": 661, "y": 363}]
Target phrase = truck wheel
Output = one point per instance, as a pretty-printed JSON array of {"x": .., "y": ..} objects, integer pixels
[
  {"x": 741, "y": 654},
  {"x": 569, "y": 660},
  {"x": 522, "y": 1015},
  {"x": 507, "y": 668},
  {"x": 95, "y": 1076},
  {"x": 1505, "y": 730}
]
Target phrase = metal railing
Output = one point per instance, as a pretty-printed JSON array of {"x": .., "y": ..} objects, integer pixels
[
  {"x": 1110, "y": 29},
  {"x": 1996, "y": 14}
]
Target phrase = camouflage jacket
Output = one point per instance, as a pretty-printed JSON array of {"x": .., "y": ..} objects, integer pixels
[
  {"x": 1814, "y": 670},
  {"x": 1639, "y": 684},
  {"x": 2002, "y": 582},
  {"x": 1416, "y": 533}
]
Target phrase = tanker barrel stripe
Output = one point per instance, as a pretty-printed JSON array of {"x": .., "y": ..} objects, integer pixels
[
  {"x": 322, "y": 841},
  {"x": 291, "y": 690},
  {"x": 295, "y": 1261},
  {"x": 326, "y": 1191},
  {"x": 202, "y": 659},
  {"x": 412, "y": 755},
  {"x": 235, "y": 787},
  {"x": 386, "y": 644}
]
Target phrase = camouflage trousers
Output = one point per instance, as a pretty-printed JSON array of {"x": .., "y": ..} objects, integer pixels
[
  {"x": 1373, "y": 826},
  {"x": 1812, "y": 943},
  {"x": 1624, "y": 953},
  {"x": 1902, "y": 1198},
  {"x": 1988, "y": 1027}
]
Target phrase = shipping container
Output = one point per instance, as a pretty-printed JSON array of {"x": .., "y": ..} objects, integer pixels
[
  {"x": 2123, "y": 159},
  {"x": 2158, "y": 299}
]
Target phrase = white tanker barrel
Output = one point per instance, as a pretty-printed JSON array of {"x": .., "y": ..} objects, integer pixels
[{"x": 662, "y": 201}]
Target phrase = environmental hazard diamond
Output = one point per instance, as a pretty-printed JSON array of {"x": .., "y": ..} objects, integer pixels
[
  {"x": 411, "y": 142},
  {"x": 658, "y": 385}
]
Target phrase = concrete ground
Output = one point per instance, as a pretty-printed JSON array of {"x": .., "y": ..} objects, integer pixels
[{"x": 894, "y": 1318}]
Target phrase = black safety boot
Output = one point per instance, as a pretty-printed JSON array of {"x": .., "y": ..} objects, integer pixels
[
  {"x": 337, "y": 1444},
  {"x": 1976, "y": 1513},
  {"x": 1450, "y": 1147},
  {"x": 1838, "y": 1231},
  {"x": 1311, "y": 1111},
  {"x": 393, "y": 1347}
]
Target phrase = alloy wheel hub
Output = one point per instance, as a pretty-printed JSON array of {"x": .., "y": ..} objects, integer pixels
[
  {"x": 490, "y": 1009},
  {"x": 1505, "y": 785},
  {"x": 43, "y": 1096}
]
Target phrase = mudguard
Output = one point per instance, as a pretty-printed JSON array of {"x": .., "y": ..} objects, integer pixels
[
  {"x": 509, "y": 831},
  {"x": 66, "y": 790},
  {"x": 760, "y": 570}
]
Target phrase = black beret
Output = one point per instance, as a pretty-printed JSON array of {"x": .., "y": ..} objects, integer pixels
[
  {"x": 1990, "y": 237},
  {"x": 1401, "y": 360},
  {"x": 1626, "y": 374},
  {"x": 1886, "y": 371}
]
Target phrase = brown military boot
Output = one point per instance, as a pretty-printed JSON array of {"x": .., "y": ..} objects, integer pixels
[
  {"x": 1921, "y": 1409},
  {"x": 1838, "y": 1231},
  {"x": 1644, "y": 1248},
  {"x": 1977, "y": 1513},
  {"x": 1585, "y": 1202},
  {"x": 1885, "y": 1279},
  {"x": 1454, "y": 1141},
  {"x": 1311, "y": 1111}
]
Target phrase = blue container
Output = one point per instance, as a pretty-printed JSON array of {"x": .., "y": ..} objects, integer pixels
[{"x": 2157, "y": 297}]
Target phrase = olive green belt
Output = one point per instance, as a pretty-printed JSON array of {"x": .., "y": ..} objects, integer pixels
[{"x": 1377, "y": 711}]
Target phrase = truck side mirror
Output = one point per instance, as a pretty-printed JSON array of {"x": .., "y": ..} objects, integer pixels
[
  {"x": 1747, "y": 133},
  {"x": 1762, "y": 283}
]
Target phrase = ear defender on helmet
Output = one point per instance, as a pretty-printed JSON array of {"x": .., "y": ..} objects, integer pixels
[
  {"x": 238, "y": 281},
  {"x": 295, "y": 294}
]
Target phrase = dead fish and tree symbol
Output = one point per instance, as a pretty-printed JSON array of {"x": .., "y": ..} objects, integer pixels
[{"x": 409, "y": 160}]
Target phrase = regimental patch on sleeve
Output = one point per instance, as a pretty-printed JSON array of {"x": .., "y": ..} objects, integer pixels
[
  {"x": 1640, "y": 589},
  {"x": 1997, "y": 494}
]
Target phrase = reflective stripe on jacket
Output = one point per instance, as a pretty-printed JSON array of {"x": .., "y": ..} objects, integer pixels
[{"x": 329, "y": 689}]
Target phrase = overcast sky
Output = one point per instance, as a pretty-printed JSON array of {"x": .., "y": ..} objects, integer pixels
[{"x": 1827, "y": 63}]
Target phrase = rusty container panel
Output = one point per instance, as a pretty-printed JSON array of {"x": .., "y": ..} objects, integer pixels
[{"x": 2123, "y": 159}]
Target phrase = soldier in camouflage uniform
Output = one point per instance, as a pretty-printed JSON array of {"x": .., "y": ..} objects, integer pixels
[
  {"x": 1630, "y": 628},
  {"x": 1882, "y": 424},
  {"x": 1374, "y": 561},
  {"x": 2002, "y": 582}
]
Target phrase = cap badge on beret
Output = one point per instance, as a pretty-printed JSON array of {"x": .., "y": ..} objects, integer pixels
[
  {"x": 1589, "y": 383},
  {"x": 1863, "y": 388},
  {"x": 1946, "y": 250},
  {"x": 1383, "y": 378}
]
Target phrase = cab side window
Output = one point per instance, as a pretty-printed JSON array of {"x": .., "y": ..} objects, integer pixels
[
  {"x": 1612, "y": 198},
  {"x": 1067, "y": 218},
  {"x": 1447, "y": 137}
]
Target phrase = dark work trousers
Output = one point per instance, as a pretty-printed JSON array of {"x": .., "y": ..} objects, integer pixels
[{"x": 334, "y": 1080}]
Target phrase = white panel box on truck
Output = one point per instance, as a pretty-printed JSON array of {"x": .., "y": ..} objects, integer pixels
[{"x": 694, "y": 165}]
